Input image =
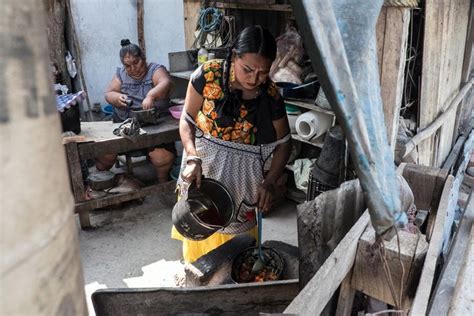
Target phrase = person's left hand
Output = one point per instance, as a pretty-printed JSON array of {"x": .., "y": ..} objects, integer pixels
[
  {"x": 265, "y": 194},
  {"x": 147, "y": 103}
]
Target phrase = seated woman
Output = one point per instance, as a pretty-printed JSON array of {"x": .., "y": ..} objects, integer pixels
[{"x": 148, "y": 84}]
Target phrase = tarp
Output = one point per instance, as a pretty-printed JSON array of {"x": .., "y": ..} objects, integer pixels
[{"x": 339, "y": 36}]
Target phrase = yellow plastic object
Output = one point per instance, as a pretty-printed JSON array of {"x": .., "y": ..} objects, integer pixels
[{"x": 193, "y": 250}]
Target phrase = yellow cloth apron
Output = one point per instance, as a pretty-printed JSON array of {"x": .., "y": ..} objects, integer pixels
[{"x": 193, "y": 250}]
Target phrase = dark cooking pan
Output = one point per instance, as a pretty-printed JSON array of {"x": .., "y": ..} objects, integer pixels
[
  {"x": 298, "y": 91},
  {"x": 243, "y": 263}
]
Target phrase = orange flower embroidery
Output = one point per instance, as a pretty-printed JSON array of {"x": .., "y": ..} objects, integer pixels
[
  {"x": 204, "y": 123},
  {"x": 235, "y": 135},
  {"x": 212, "y": 91},
  {"x": 247, "y": 126},
  {"x": 247, "y": 139},
  {"x": 238, "y": 125},
  {"x": 213, "y": 115},
  {"x": 208, "y": 106},
  {"x": 214, "y": 133},
  {"x": 209, "y": 76},
  {"x": 214, "y": 65}
]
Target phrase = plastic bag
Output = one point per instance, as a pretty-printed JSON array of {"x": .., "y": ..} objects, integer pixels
[
  {"x": 71, "y": 65},
  {"x": 289, "y": 55}
]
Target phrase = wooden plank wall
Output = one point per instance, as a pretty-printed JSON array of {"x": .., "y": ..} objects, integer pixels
[
  {"x": 191, "y": 15},
  {"x": 443, "y": 51}
]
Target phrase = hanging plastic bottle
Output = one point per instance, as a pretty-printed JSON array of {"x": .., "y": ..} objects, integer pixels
[{"x": 202, "y": 56}]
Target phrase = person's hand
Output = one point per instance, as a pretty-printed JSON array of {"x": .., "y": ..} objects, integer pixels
[
  {"x": 265, "y": 192},
  {"x": 147, "y": 103},
  {"x": 192, "y": 172},
  {"x": 121, "y": 101}
]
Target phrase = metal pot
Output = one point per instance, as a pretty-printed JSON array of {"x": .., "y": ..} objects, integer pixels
[
  {"x": 204, "y": 211},
  {"x": 101, "y": 180}
]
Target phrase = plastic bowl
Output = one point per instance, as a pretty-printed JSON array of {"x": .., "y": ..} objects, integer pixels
[
  {"x": 176, "y": 111},
  {"x": 108, "y": 109}
]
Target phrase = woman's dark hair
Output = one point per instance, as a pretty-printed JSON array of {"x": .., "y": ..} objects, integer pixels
[
  {"x": 130, "y": 48},
  {"x": 255, "y": 39},
  {"x": 252, "y": 39}
]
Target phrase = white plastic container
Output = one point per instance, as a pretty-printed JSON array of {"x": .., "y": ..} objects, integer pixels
[{"x": 312, "y": 124}]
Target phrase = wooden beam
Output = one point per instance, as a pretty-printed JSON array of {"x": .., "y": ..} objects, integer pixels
[
  {"x": 425, "y": 284},
  {"x": 316, "y": 294},
  {"x": 395, "y": 22},
  {"x": 228, "y": 299},
  {"x": 254, "y": 6},
  {"x": 443, "y": 293},
  {"x": 463, "y": 298},
  {"x": 141, "y": 24},
  {"x": 161, "y": 188}
]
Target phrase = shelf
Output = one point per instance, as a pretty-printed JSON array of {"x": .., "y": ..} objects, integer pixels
[
  {"x": 254, "y": 6},
  {"x": 309, "y": 106},
  {"x": 182, "y": 74},
  {"x": 318, "y": 142}
]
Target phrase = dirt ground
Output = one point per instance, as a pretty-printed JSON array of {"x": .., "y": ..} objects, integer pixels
[{"x": 130, "y": 246}]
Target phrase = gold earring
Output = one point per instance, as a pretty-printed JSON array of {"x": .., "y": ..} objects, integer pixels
[{"x": 232, "y": 73}]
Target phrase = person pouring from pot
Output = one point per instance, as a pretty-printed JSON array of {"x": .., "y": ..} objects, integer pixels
[{"x": 233, "y": 121}]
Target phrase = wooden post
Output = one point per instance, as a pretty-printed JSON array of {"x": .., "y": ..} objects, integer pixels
[
  {"x": 392, "y": 37},
  {"x": 141, "y": 25},
  {"x": 420, "y": 303},
  {"x": 191, "y": 16},
  {"x": 369, "y": 277},
  {"x": 463, "y": 115},
  {"x": 40, "y": 270},
  {"x": 56, "y": 20}
]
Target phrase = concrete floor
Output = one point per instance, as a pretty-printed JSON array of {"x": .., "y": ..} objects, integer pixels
[{"x": 130, "y": 246}]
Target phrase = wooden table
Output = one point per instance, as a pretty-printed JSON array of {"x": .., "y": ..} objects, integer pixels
[{"x": 99, "y": 141}]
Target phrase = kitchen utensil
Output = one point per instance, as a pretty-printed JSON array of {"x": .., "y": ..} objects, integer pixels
[{"x": 260, "y": 263}]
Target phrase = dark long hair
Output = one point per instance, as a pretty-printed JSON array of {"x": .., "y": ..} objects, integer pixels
[
  {"x": 130, "y": 48},
  {"x": 252, "y": 39}
]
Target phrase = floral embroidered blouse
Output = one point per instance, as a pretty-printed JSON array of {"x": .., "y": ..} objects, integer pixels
[{"x": 242, "y": 121}]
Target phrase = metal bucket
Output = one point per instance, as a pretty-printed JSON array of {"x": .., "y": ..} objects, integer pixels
[{"x": 204, "y": 211}]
